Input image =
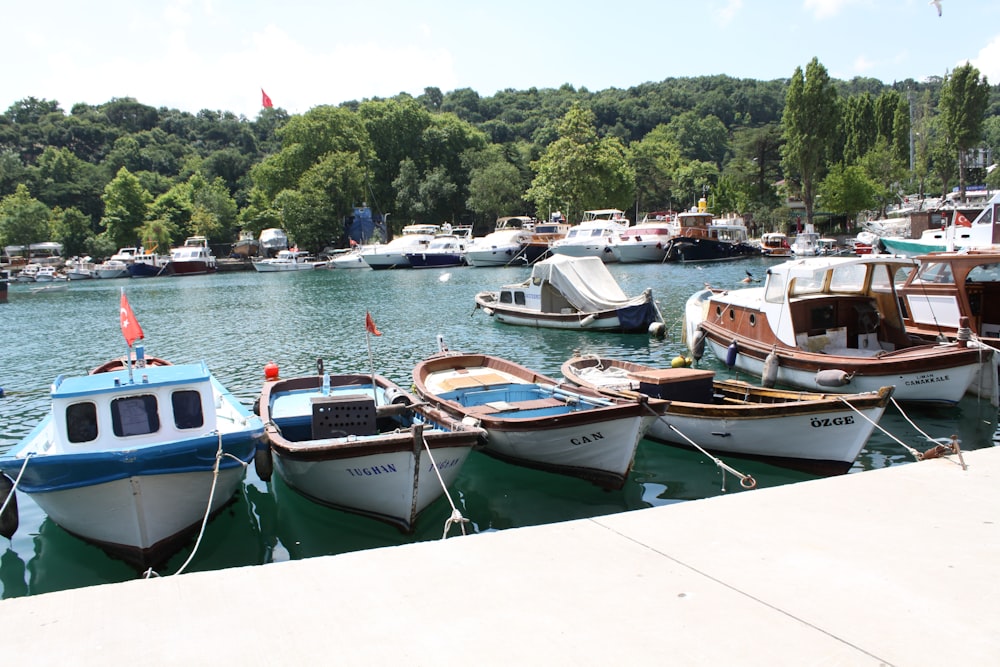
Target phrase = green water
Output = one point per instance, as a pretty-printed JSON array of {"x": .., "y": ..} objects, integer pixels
[{"x": 237, "y": 322}]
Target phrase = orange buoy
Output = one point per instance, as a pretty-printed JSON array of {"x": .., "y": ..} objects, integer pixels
[{"x": 270, "y": 371}]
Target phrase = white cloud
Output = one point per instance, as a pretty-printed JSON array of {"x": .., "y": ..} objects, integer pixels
[
  {"x": 727, "y": 13},
  {"x": 987, "y": 61},
  {"x": 824, "y": 9}
]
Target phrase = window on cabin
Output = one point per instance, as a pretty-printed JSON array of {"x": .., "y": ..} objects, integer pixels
[
  {"x": 935, "y": 272},
  {"x": 187, "y": 409},
  {"x": 519, "y": 298},
  {"x": 81, "y": 422},
  {"x": 505, "y": 297},
  {"x": 848, "y": 278},
  {"x": 134, "y": 415}
]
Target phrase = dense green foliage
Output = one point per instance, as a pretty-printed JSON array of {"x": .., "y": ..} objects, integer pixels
[{"x": 123, "y": 173}]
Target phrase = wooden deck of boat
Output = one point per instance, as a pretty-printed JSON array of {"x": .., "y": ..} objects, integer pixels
[{"x": 894, "y": 566}]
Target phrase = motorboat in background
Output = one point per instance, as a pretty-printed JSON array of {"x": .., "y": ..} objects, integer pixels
[
  {"x": 79, "y": 268},
  {"x": 503, "y": 246},
  {"x": 834, "y": 324},
  {"x": 392, "y": 255},
  {"x": 958, "y": 234},
  {"x": 348, "y": 259},
  {"x": 535, "y": 421},
  {"x": 246, "y": 246},
  {"x": 272, "y": 240},
  {"x": 112, "y": 268},
  {"x": 543, "y": 235},
  {"x": 701, "y": 237},
  {"x": 594, "y": 236},
  {"x": 806, "y": 243},
  {"x": 147, "y": 264},
  {"x": 445, "y": 250},
  {"x": 646, "y": 241},
  {"x": 192, "y": 258},
  {"x": 775, "y": 244},
  {"x": 362, "y": 444},
  {"x": 571, "y": 293},
  {"x": 821, "y": 433},
  {"x": 287, "y": 260}
]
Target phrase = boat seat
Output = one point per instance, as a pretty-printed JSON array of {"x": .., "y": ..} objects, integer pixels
[{"x": 340, "y": 416}]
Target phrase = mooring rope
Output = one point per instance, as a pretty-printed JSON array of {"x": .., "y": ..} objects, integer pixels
[
  {"x": 939, "y": 449},
  {"x": 219, "y": 453},
  {"x": 13, "y": 489},
  {"x": 456, "y": 515},
  {"x": 746, "y": 481}
]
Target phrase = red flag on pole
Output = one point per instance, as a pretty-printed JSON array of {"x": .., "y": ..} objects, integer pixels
[
  {"x": 370, "y": 325},
  {"x": 961, "y": 220},
  {"x": 130, "y": 326},
  {"x": 266, "y": 101}
]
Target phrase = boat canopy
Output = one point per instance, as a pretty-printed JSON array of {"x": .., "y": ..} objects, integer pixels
[{"x": 584, "y": 281}]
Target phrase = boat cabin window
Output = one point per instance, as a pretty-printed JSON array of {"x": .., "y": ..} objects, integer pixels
[
  {"x": 849, "y": 278},
  {"x": 985, "y": 273},
  {"x": 505, "y": 296},
  {"x": 81, "y": 422},
  {"x": 134, "y": 415},
  {"x": 935, "y": 272},
  {"x": 774, "y": 291},
  {"x": 810, "y": 284},
  {"x": 187, "y": 409},
  {"x": 882, "y": 280}
]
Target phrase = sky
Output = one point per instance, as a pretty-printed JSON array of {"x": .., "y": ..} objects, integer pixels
[{"x": 219, "y": 54}]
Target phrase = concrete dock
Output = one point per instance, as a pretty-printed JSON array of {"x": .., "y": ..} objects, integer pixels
[{"x": 896, "y": 566}]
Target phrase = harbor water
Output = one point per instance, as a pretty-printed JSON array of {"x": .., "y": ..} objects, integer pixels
[{"x": 238, "y": 322}]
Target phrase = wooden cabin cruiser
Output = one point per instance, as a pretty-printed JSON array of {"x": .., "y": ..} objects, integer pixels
[
  {"x": 700, "y": 237},
  {"x": 775, "y": 244},
  {"x": 571, "y": 293},
  {"x": 833, "y": 324}
]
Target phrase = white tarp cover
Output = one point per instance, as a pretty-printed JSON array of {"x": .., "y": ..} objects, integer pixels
[{"x": 585, "y": 282}]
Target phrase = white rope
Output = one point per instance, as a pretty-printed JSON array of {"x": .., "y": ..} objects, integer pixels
[
  {"x": 913, "y": 452},
  {"x": 746, "y": 481},
  {"x": 13, "y": 489},
  {"x": 208, "y": 509},
  {"x": 456, "y": 515}
]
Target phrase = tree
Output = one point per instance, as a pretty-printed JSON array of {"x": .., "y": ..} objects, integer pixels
[
  {"x": 964, "y": 98},
  {"x": 809, "y": 124},
  {"x": 847, "y": 190},
  {"x": 23, "y": 219},
  {"x": 580, "y": 171},
  {"x": 655, "y": 159},
  {"x": 71, "y": 228},
  {"x": 125, "y": 207}
]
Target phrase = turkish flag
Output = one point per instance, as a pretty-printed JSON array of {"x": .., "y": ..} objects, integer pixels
[
  {"x": 130, "y": 326},
  {"x": 266, "y": 101},
  {"x": 961, "y": 220},
  {"x": 370, "y": 325}
]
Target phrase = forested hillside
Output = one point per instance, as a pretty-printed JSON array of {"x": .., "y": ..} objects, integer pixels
[{"x": 123, "y": 173}]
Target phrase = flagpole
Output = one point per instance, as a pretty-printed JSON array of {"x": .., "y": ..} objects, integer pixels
[
  {"x": 371, "y": 364},
  {"x": 128, "y": 353}
]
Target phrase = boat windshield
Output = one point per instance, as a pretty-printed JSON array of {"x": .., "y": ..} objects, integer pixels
[{"x": 935, "y": 272}]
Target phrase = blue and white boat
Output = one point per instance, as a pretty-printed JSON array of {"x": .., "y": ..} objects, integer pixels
[{"x": 135, "y": 457}]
